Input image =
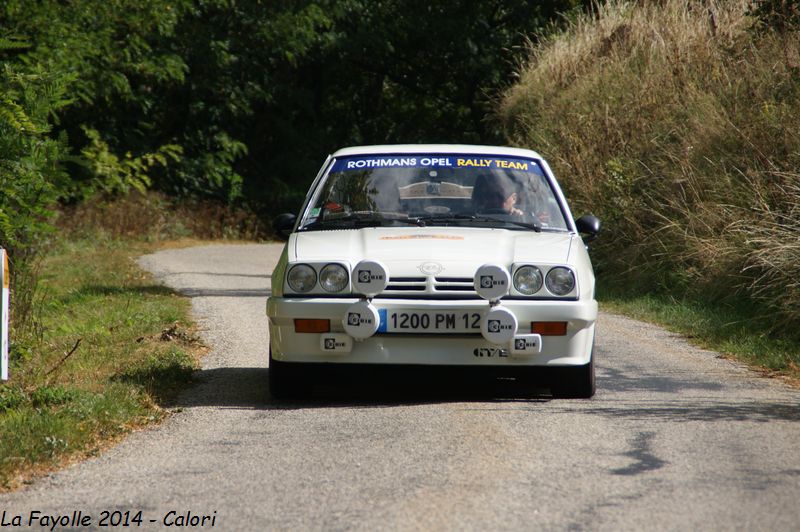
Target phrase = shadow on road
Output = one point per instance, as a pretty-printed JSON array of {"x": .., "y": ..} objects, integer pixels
[
  {"x": 218, "y": 291},
  {"x": 225, "y": 292},
  {"x": 225, "y": 274},
  {"x": 635, "y": 381},
  {"x": 249, "y": 388},
  {"x": 691, "y": 409}
]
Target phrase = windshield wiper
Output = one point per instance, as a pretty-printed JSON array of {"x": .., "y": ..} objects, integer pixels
[
  {"x": 456, "y": 218},
  {"x": 377, "y": 219},
  {"x": 360, "y": 219}
]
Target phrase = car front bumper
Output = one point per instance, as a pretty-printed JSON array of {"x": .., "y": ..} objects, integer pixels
[{"x": 572, "y": 349}]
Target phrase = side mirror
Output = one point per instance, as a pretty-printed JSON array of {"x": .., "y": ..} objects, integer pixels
[
  {"x": 588, "y": 225},
  {"x": 283, "y": 225}
]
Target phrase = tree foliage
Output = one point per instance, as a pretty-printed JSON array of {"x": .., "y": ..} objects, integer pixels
[
  {"x": 31, "y": 173},
  {"x": 317, "y": 76},
  {"x": 780, "y": 15},
  {"x": 117, "y": 54},
  {"x": 242, "y": 99}
]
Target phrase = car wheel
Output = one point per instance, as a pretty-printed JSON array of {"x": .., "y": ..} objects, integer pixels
[
  {"x": 284, "y": 381},
  {"x": 574, "y": 382}
]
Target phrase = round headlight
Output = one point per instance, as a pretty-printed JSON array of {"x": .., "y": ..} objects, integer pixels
[
  {"x": 302, "y": 278},
  {"x": 333, "y": 278},
  {"x": 528, "y": 280},
  {"x": 560, "y": 281}
]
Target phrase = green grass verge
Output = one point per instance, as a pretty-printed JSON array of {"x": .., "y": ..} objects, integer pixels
[
  {"x": 738, "y": 329},
  {"x": 107, "y": 347}
]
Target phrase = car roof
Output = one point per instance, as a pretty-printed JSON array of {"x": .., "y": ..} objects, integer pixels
[{"x": 460, "y": 149}]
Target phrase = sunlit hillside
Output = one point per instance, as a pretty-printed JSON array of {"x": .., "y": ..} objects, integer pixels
[{"x": 677, "y": 123}]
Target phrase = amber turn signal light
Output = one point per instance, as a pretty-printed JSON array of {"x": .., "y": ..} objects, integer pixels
[
  {"x": 549, "y": 328},
  {"x": 302, "y": 325}
]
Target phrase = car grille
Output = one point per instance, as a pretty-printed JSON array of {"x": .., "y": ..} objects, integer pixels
[
  {"x": 406, "y": 284},
  {"x": 429, "y": 288}
]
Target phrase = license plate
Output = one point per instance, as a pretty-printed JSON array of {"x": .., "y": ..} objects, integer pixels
[{"x": 429, "y": 321}]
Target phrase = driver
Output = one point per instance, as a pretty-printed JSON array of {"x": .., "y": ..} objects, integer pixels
[{"x": 495, "y": 193}]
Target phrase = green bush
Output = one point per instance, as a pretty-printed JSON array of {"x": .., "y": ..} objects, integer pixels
[
  {"x": 31, "y": 173},
  {"x": 781, "y": 15},
  {"x": 53, "y": 395},
  {"x": 12, "y": 397}
]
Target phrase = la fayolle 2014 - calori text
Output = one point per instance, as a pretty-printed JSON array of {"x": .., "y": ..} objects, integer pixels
[{"x": 130, "y": 518}]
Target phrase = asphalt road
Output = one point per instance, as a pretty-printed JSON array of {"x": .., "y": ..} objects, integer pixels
[{"x": 675, "y": 439}]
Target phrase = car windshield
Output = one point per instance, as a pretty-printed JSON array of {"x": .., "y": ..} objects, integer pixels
[{"x": 435, "y": 190}]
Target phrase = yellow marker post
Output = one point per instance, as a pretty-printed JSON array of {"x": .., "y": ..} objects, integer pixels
[{"x": 5, "y": 281}]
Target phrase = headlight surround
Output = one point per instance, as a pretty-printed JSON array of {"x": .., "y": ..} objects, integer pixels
[
  {"x": 528, "y": 280},
  {"x": 333, "y": 278},
  {"x": 301, "y": 278},
  {"x": 560, "y": 281}
]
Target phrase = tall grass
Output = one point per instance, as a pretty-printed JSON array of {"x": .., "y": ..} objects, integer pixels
[
  {"x": 155, "y": 217},
  {"x": 678, "y": 123}
]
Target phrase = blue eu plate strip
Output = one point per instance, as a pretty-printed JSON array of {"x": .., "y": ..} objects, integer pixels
[{"x": 384, "y": 321}]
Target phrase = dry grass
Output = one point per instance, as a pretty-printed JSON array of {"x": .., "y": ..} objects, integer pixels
[
  {"x": 155, "y": 217},
  {"x": 678, "y": 125}
]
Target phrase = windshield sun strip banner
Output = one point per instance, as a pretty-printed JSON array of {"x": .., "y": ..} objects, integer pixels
[{"x": 436, "y": 161}]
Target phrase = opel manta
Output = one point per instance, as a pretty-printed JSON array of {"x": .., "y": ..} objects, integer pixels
[{"x": 441, "y": 257}]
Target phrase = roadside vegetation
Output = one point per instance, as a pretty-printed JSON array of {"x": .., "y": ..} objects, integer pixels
[
  {"x": 678, "y": 124},
  {"x": 105, "y": 347},
  {"x": 736, "y": 328}
]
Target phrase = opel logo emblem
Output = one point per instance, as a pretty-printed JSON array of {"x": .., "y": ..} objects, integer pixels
[{"x": 431, "y": 268}]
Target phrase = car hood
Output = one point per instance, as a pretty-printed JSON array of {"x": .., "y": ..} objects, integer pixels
[{"x": 447, "y": 251}]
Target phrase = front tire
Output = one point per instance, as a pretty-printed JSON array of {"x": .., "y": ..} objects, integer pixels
[
  {"x": 576, "y": 382},
  {"x": 285, "y": 381}
]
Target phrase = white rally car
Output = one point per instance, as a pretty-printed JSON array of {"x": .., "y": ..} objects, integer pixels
[{"x": 435, "y": 257}]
